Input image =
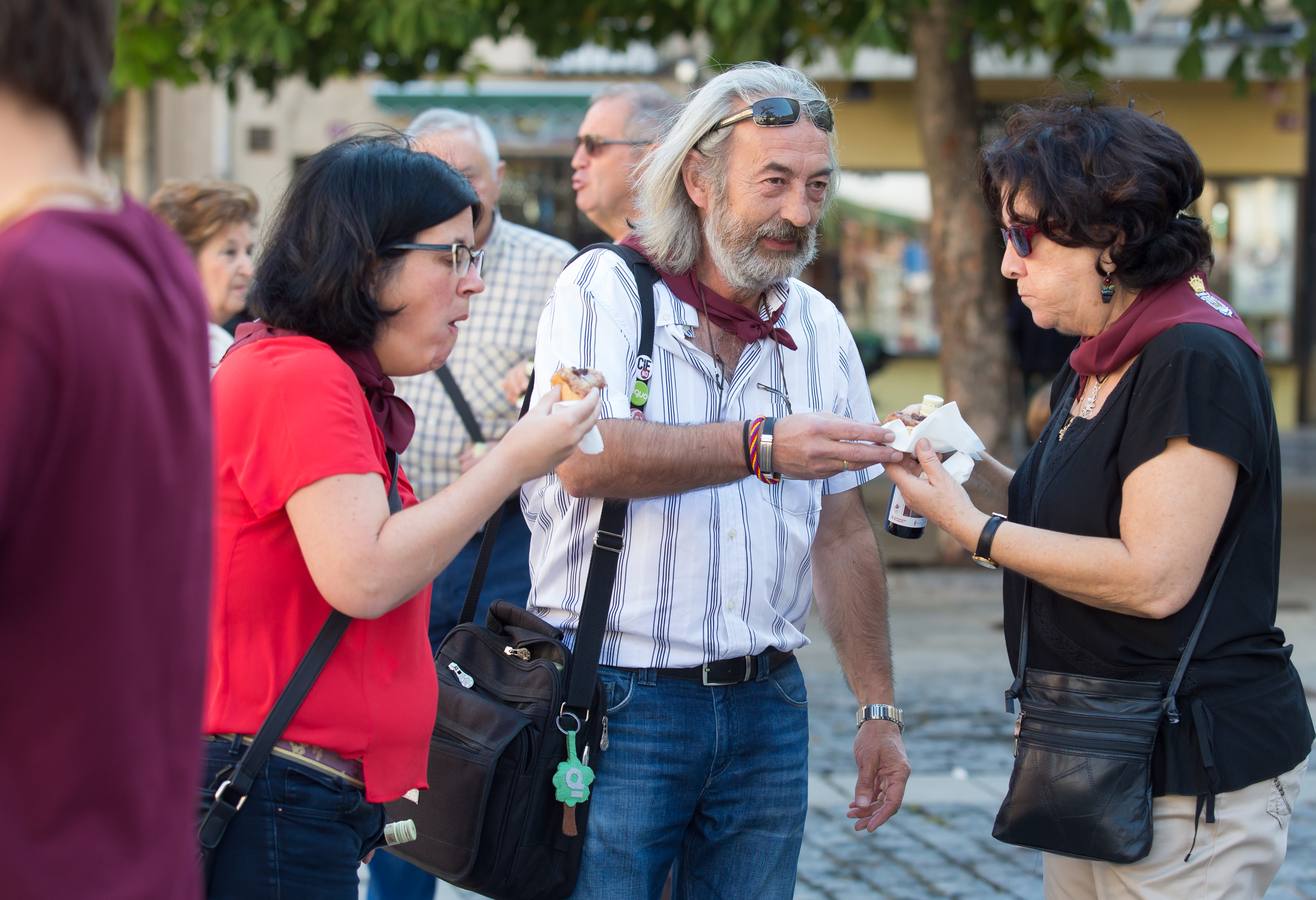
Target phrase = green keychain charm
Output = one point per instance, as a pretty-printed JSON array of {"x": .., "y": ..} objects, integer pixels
[{"x": 573, "y": 777}]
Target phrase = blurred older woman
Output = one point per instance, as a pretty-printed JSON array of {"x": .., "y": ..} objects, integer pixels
[
  {"x": 216, "y": 219},
  {"x": 364, "y": 276},
  {"x": 1156, "y": 476}
]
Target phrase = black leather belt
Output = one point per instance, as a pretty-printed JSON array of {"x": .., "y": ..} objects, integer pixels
[{"x": 731, "y": 671}]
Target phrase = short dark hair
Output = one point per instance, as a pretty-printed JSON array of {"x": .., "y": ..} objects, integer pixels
[
  {"x": 324, "y": 256},
  {"x": 1104, "y": 177},
  {"x": 58, "y": 56}
]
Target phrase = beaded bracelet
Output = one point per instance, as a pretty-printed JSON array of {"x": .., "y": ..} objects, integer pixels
[{"x": 760, "y": 451}]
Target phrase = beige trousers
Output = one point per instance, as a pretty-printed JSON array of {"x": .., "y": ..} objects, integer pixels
[{"x": 1235, "y": 858}]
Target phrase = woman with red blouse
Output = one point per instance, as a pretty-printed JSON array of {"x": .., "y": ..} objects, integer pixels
[{"x": 366, "y": 273}]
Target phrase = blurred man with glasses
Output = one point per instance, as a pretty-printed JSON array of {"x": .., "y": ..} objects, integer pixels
[
  {"x": 743, "y": 479},
  {"x": 620, "y": 124}
]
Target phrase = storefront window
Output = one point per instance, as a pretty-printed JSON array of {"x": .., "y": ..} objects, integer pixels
[
  {"x": 880, "y": 230},
  {"x": 1254, "y": 228}
]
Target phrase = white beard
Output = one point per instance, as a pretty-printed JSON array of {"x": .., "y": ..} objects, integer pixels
[{"x": 734, "y": 252}]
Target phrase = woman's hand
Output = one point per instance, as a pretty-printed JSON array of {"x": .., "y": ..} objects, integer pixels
[
  {"x": 547, "y": 435},
  {"x": 938, "y": 497},
  {"x": 515, "y": 382}
]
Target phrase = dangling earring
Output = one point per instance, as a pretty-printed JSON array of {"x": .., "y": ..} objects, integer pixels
[{"x": 1107, "y": 289}]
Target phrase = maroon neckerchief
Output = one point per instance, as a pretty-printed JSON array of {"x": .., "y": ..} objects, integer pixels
[
  {"x": 726, "y": 314},
  {"x": 1186, "y": 301},
  {"x": 394, "y": 417}
]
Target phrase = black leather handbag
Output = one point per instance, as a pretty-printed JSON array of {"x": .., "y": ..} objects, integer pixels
[
  {"x": 509, "y": 692},
  {"x": 1081, "y": 784}
]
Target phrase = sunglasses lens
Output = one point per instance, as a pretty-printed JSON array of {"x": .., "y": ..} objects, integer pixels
[
  {"x": 1018, "y": 237},
  {"x": 775, "y": 111},
  {"x": 588, "y": 142}
]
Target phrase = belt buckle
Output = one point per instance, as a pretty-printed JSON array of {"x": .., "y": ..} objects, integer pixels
[{"x": 749, "y": 674}]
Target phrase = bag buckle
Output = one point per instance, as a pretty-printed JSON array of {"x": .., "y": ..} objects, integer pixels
[
  {"x": 219, "y": 798},
  {"x": 608, "y": 540},
  {"x": 748, "y": 676}
]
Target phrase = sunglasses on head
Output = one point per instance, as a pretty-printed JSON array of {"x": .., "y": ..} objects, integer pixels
[
  {"x": 594, "y": 144},
  {"x": 463, "y": 257},
  {"x": 1020, "y": 237},
  {"x": 778, "y": 112}
]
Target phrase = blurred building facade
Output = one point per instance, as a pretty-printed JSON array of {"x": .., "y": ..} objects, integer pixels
[{"x": 875, "y": 259}]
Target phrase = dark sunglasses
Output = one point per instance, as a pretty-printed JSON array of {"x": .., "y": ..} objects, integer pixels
[
  {"x": 778, "y": 112},
  {"x": 463, "y": 257},
  {"x": 594, "y": 144},
  {"x": 1020, "y": 237}
]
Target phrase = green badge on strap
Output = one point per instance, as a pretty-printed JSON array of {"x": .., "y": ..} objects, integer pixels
[
  {"x": 573, "y": 777},
  {"x": 639, "y": 394}
]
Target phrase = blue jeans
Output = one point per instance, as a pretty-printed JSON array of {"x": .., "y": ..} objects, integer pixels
[
  {"x": 708, "y": 782},
  {"x": 301, "y": 833},
  {"x": 508, "y": 577}
]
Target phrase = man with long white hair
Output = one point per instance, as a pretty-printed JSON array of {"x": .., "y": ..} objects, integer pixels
[{"x": 743, "y": 482}]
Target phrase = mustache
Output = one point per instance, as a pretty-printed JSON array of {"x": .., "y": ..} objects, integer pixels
[{"x": 781, "y": 230}]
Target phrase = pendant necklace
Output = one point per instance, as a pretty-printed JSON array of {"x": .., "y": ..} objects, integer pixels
[
  {"x": 718, "y": 365},
  {"x": 1089, "y": 404}
]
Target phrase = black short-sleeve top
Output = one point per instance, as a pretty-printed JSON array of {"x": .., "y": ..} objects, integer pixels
[{"x": 1246, "y": 716}]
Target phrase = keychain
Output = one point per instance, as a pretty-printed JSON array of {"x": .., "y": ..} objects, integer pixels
[{"x": 572, "y": 780}]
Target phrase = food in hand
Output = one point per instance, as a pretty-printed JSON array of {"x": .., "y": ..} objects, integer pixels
[
  {"x": 916, "y": 412},
  {"x": 576, "y": 383}
]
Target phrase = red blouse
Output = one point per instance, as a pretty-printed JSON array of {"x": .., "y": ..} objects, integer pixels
[{"x": 289, "y": 412}]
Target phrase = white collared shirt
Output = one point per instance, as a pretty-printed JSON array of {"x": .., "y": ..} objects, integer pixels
[{"x": 717, "y": 572}]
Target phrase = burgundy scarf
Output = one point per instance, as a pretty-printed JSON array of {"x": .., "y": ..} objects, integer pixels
[
  {"x": 726, "y": 314},
  {"x": 1185, "y": 301},
  {"x": 394, "y": 417}
]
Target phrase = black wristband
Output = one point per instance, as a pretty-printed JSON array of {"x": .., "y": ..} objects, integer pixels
[
  {"x": 983, "y": 555},
  {"x": 744, "y": 441}
]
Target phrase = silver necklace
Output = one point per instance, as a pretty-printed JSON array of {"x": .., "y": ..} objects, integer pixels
[{"x": 1089, "y": 404}]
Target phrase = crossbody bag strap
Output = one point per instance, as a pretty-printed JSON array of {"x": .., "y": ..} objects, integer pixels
[
  {"x": 610, "y": 539},
  {"x": 490, "y": 536},
  {"x": 464, "y": 411},
  {"x": 1170, "y": 705},
  {"x": 232, "y": 792}
]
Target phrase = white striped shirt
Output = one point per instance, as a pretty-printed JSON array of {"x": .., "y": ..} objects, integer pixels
[
  {"x": 712, "y": 573},
  {"x": 520, "y": 266}
]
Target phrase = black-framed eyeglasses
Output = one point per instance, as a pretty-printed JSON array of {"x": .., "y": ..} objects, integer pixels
[
  {"x": 1020, "y": 237},
  {"x": 463, "y": 257},
  {"x": 778, "y": 112},
  {"x": 594, "y": 144}
]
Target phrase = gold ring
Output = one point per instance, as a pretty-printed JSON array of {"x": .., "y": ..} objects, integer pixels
[{"x": 845, "y": 464}]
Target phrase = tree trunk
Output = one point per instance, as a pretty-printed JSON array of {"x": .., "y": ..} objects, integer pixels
[{"x": 966, "y": 285}]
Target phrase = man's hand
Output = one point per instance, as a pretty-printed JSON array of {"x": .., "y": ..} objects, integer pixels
[
  {"x": 883, "y": 772},
  {"x": 473, "y": 454},
  {"x": 819, "y": 445},
  {"x": 515, "y": 381}
]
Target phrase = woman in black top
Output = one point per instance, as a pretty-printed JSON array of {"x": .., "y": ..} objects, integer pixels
[{"x": 1160, "y": 449}]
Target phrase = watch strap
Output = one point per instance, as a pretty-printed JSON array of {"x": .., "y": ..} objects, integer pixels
[
  {"x": 983, "y": 555},
  {"x": 883, "y": 712}
]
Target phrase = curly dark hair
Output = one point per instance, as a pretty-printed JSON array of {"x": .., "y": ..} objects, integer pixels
[
  {"x": 1106, "y": 177},
  {"x": 325, "y": 255}
]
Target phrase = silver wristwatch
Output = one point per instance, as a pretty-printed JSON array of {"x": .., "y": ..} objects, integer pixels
[{"x": 879, "y": 711}]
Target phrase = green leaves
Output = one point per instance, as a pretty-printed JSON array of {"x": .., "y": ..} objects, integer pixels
[{"x": 182, "y": 40}]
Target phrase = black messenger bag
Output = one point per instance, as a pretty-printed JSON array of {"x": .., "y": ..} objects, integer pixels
[
  {"x": 1081, "y": 784},
  {"x": 509, "y": 692}
]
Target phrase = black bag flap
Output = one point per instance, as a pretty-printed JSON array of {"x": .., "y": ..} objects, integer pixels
[
  {"x": 504, "y": 618},
  {"x": 1089, "y": 694}
]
